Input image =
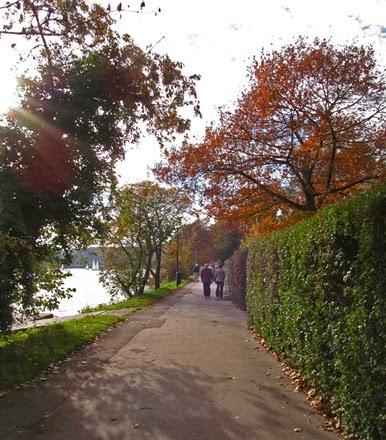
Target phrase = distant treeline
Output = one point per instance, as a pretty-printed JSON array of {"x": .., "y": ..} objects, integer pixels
[{"x": 86, "y": 257}]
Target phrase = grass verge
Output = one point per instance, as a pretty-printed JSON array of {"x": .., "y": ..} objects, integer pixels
[{"x": 25, "y": 354}]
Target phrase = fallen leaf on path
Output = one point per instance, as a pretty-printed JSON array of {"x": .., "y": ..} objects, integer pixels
[
  {"x": 317, "y": 404},
  {"x": 311, "y": 394},
  {"x": 334, "y": 425}
]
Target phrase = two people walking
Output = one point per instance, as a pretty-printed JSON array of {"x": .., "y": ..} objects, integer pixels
[{"x": 208, "y": 275}]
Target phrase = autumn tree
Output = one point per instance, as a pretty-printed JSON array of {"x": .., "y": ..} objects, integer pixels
[
  {"x": 309, "y": 129},
  {"x": 144, "y": 218},
  {"x": 200, "y": 242},
  {"x": 164, "y": 212},
  {"x": 194, "y": 246}
]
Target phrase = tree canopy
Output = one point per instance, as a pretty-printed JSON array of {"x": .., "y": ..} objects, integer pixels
[
  {"x": 58, "y": 151},
  {"x": 309, "y": 129},
  {"x": 53, "y": 28}
]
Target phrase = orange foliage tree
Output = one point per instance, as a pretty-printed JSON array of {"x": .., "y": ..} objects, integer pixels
[
  {"x": 308, "y": 130},
  {"x": 200, "y": 242}
]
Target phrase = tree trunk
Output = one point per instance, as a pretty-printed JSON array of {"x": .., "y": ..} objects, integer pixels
[
  {"x": 157, "y": 273},
  {"x": 309, "y": 192},
  {"x": 145, "y": 278}
]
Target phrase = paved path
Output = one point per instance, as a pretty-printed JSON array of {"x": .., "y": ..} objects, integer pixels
[{"x": 186, "y": 368}]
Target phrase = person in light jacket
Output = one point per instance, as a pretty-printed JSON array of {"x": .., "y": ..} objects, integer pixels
[
  {"x": 206, "y": 278},
  {"x": 219, "y": 278}
]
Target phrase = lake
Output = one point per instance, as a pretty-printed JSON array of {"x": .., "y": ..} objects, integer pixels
[{"x": 89, "y": 292}]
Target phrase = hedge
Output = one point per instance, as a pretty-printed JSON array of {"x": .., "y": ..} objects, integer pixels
[
  {"x": 317, "y": 294},
  {"x": 236, "y": 277}
]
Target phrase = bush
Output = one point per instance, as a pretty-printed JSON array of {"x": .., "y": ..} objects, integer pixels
[{"x": 316, "y": 294}]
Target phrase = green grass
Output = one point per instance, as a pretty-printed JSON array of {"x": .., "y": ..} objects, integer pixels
[
  {"x": 25, "y": 354},
  {"x": 141, "y": 301}
]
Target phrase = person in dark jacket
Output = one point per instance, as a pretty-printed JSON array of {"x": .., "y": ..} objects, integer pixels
[
  {"x": 206, "y": 278},
  {"x": 219, "y": 278}
]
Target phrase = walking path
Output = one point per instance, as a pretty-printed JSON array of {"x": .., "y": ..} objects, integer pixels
[{"x": 186, "y": 368}]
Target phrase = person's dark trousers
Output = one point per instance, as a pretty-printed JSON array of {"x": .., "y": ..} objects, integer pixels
[
  {"x": 206, "y": 289},
  {"x": 219, "y": 289}
]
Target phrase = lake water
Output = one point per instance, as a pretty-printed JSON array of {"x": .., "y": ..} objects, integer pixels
[{"x": 89, "y": 292}]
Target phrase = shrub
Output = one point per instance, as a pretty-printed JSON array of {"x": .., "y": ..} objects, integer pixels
[{"x": 316, "y": 294}]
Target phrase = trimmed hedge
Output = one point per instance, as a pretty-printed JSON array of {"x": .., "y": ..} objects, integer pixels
[
  {"x": 317, "y": 294},
  {"x": 236, "y": 277}
]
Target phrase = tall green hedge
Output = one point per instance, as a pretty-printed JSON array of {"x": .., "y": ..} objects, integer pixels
[{"x": 317, "y": 294}]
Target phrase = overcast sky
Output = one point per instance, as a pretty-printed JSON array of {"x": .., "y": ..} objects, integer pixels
[{"x": 218, "y": 38}]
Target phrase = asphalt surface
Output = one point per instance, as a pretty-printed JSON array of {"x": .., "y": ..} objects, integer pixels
[{"x": 186, "y": 368}]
